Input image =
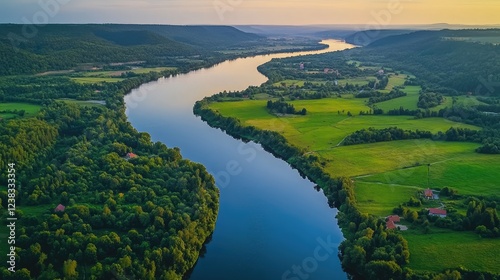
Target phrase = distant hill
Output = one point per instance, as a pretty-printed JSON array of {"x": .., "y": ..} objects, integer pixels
[
  {"x": 364, "y": 38},
  {"x": 447, "y": 61},
  {"x": 62, "y": 46}
]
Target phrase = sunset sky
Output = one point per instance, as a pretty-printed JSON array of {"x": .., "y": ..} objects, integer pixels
[{"x": 231, "y": 12}]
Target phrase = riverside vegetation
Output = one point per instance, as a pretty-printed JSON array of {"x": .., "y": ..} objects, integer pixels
[
  {"x": 63, "y": 123},
  {"x": 379, "y": 118}
]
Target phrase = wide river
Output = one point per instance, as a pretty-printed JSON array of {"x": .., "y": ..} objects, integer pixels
[{"x": 272, "y": 223}]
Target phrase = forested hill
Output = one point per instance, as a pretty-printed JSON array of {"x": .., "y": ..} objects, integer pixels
[
  {"x": 448, "y": 61},
  {"x": 366, "y": 37},
  {"x": 28, "y": 49}
]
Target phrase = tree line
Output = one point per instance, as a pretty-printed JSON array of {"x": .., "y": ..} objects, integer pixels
[{"x": 282, "y": 107}]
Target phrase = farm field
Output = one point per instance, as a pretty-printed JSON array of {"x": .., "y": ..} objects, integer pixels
[
  {"x": 408, "y": 102},
  {"x": 468, "y": 172},
  {"x": 90, "y": 103},
  {"x": 30, "y": 109},
  {"x": 326, "y": 123},
  {"x": 95, "y": 80},
  {"x": 427, "y": 250}
]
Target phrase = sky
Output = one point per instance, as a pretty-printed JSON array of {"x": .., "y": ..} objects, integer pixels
[{"x": 371, "y": 13}]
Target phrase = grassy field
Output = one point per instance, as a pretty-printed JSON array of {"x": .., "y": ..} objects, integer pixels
[
  {"x": 30, "y": 109},
  {"x": 95, "y": 80},
  {"x": 89, "y": 103},
  {"x": 326, "y": 123},
  {"x": 461, "y": 169},
  {"x": 361, "y": 81},
  {"x": 380, "y": 199},
  {"x": 298, "y": 83},
  {"x": 408, "y": 102},
  {"x": 445, "y": 248}
]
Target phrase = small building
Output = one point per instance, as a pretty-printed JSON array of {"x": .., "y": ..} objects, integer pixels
[
  {"x": 390, "y": 224},
  {"x": 381, "y": 72},
  {"x": 130, "y": 155},
  {"x": 60, "y": 208},
  {"x": 428, "y": 194},
  {"x": 437, "y": 212},
  {"x": 301, "y": 66},
  {"x": 394, "y": 218}
]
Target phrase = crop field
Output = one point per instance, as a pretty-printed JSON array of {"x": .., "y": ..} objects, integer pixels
[
  {"x": 408, "y": 102},
  {"x": 298, "y": 83},
  {"x": 89, "y": 103},
  {"x": 30, "y": 109},
  {"x": 361, "y": 81},
  {"x": 466, "y": 171},
  {"x": 380, "y": 199},
  {"x": 427, "y": 250},
  {"x": 326, "y": 123},
  {"x": 95, "y": 80}
]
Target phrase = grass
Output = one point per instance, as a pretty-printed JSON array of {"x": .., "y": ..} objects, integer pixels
[
  {"x": 462, "y": 169},
  {"x": 380, "y": 199},
  {"x": 408, "y": 102},
  {"x": 298, "y": 83},
  {"x": 451, "y": 249},
  {"x": 361, "y": 81},
  {"x": 95, "y": 80},
  {"x": 89, "y": 103},
  {"x": 389, "y": 162},
  {"x": 30, "y": 109},
  {"x": 151, "y": 69}
]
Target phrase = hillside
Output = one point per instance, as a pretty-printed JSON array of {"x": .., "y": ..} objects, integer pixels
[
  {"x": 60, "y": 47},
  {"x": 448, "y": 61}
]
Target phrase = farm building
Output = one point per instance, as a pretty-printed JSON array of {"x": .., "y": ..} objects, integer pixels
[
  {"x": 391, "y": 221},
  {"x": 394, "y": 218},
  {"x": 60, "y": 208},
  {"x": 390, "y": 225},
  {"x": 428, "y": 194},
  {"x": 130, "y": 155},
  {"x": 437, "y": 212}
]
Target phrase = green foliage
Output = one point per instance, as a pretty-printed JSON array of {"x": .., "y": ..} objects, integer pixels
[{"x": 428, "y": 100}]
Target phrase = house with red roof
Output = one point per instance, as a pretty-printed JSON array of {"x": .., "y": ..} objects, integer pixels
[
  {"x": 428, "y": 194},
  {"x": 60, "y": 208},
  {"x": 130, "y": 155},
  {"x": 390, "y": 224},
  {"x": 391, "y": 221},
  {"x": 437, "y": 212},
  {"x": 394, "y": 218}
]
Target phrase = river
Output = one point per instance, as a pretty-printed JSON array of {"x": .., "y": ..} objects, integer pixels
[{"x": 272, "y": 223}]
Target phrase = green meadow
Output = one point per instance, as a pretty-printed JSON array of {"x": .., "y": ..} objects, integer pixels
[
  {"x": 95, "y": 80},
  {"x": 408, "y": 102},
  {"x": 30, "y": 109},
  {"x": 82, "y": 102},
  {"x": 443, "y": 248}
]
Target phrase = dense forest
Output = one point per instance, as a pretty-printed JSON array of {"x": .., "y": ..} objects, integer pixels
[{"x": 145, "y": 217}]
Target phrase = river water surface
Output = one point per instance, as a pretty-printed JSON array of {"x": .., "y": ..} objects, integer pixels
[{"x": 272, "y": 223}]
